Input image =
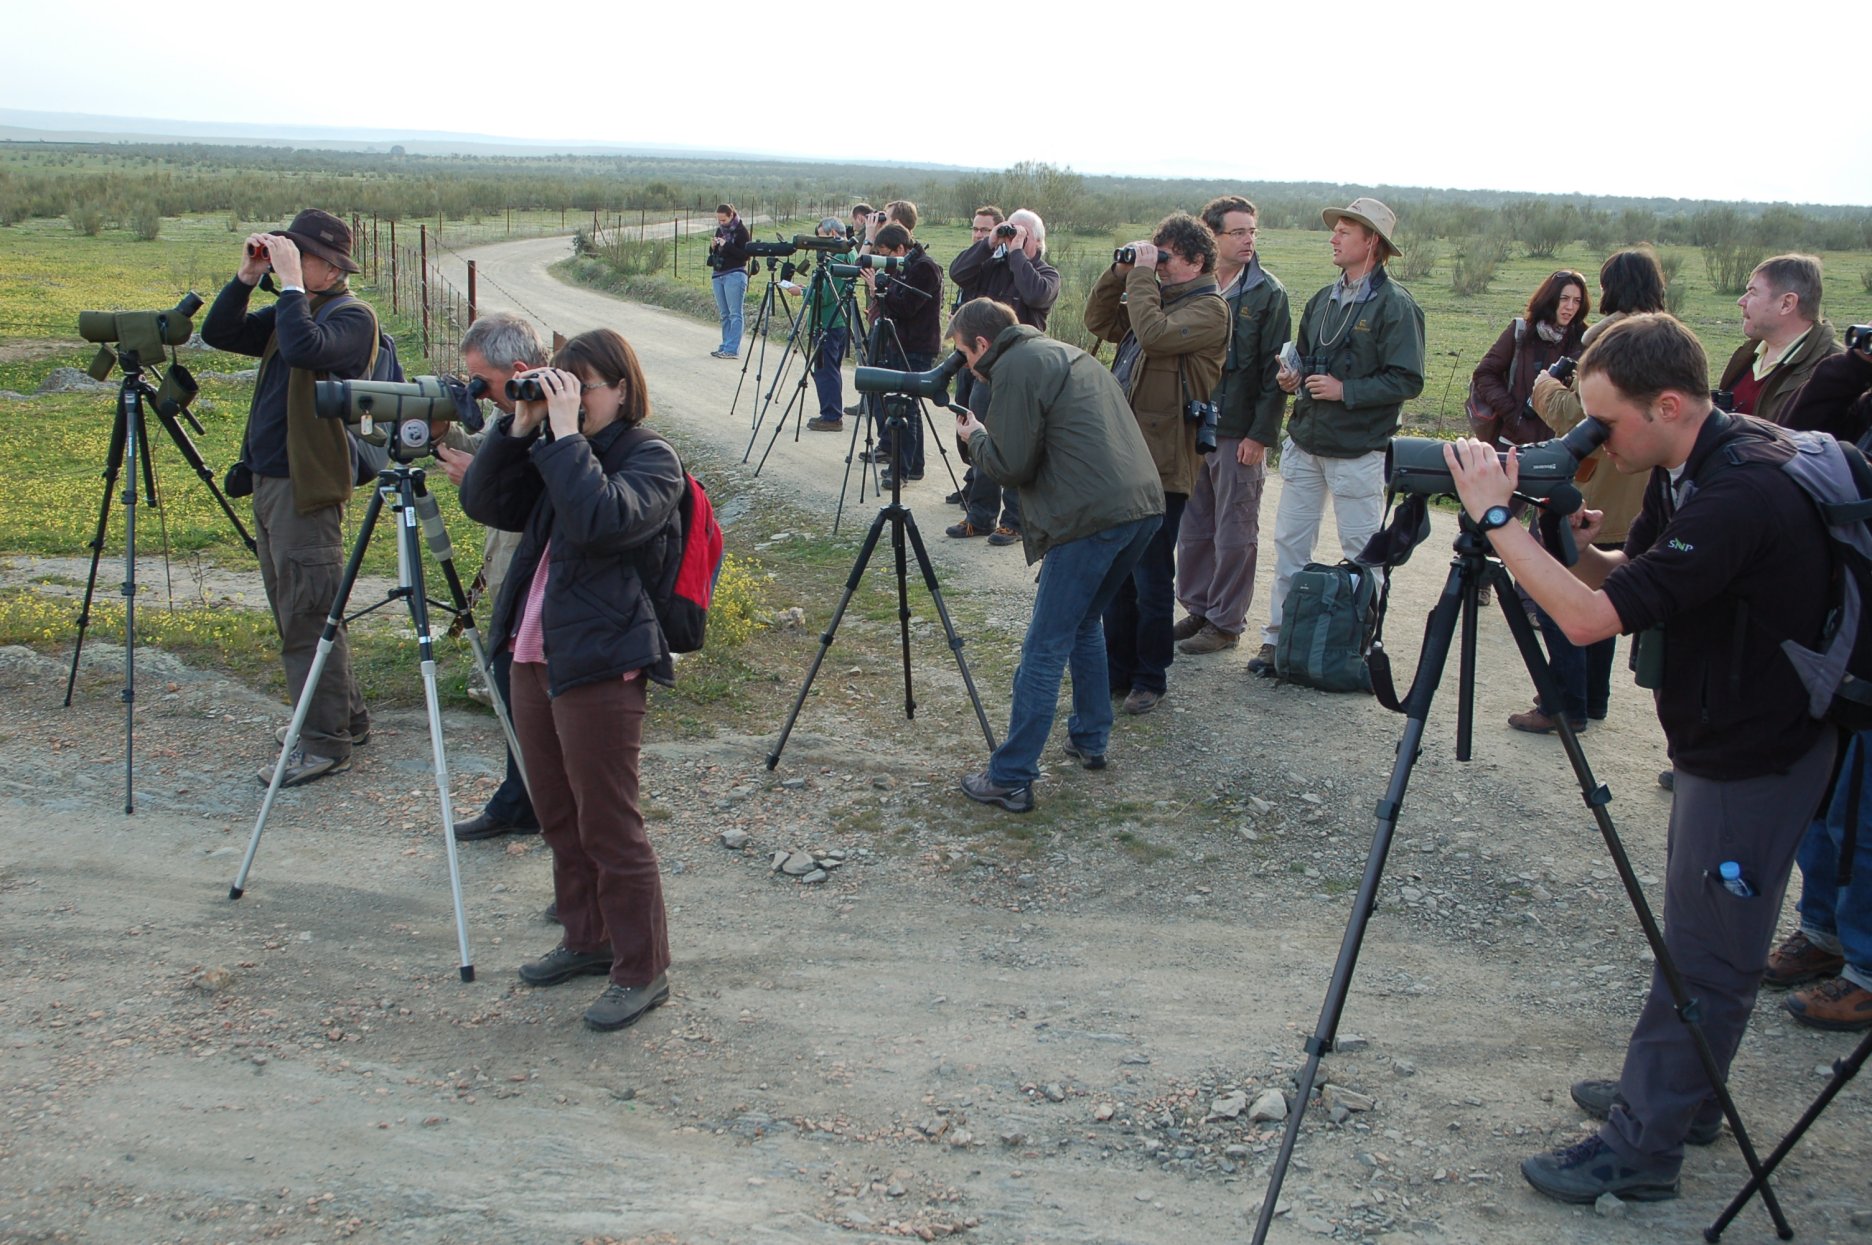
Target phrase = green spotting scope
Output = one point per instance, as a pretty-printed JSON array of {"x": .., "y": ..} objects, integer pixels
[{"x": 1415, "y": 464}]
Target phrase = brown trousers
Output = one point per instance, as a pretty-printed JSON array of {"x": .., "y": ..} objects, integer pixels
[
  {"x": 302, "y": 563},
  {"x": 581, "y": 758}
]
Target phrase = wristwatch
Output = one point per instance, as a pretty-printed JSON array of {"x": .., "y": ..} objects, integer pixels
[{"x": 1494, "y": 517}]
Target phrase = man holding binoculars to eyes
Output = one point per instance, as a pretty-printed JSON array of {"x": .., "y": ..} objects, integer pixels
[{"x": 302, "y": 467}]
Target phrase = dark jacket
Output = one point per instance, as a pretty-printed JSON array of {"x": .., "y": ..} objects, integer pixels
[
  {"x": 1525, "y": 360},
  {"x": 1377, "y": 350},
  {"x": 1741, "y": 565},
  {"x": 1837, "y": 399},
  {"x": 732, "y": 255},
  {"x": 295, "y": 348},
  {"x": 609, "y": 509},
  {"x": 1030, "y": 287},
  {"x": 916, "y": 310},
  {"x": 1250, "y": 402},
  {"x": 1064, "y": 435},
  {"x": 1788, "y": 374},
  {"x": 1171, "y": 339}
]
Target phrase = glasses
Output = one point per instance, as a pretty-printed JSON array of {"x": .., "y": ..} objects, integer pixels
[
  {"x": 607, "y": 384},
  {"x": 1238, "y": 233}
]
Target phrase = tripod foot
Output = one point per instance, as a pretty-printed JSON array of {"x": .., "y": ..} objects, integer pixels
[
  {"x": 235, "y": 892},
  {"x": 773, "y": 760},
  {"x": 467, "y": 972}
]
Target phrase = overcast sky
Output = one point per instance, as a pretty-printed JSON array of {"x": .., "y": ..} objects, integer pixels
[{"x": 1629, "y": 98}]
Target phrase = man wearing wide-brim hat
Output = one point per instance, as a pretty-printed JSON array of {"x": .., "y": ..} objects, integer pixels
[
  {"x": 1357, "y": 358},
  {"x": 302, "y": 467}
]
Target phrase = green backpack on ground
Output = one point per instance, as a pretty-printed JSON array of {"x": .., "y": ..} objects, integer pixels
[{"x": 1326, "y": 627}]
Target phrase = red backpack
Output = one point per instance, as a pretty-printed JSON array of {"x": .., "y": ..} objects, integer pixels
[{"x": 682, "y": 595}]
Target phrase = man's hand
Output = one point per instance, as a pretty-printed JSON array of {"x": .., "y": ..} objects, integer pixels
[
  {"x": 1146, "y": 257},
  {"x": 1250, "y": 453},
  {"x": 967, "y": 425},
  {"x": 1481, "y": 479},
  {"x": 1324, "y": 388},
  {"x": 1019, "y": 241},
  {"x": 1587, "y": 525},
  {"x": 454, "y": 462},
  {"x": 1288, "y": 380},
  {"x": 286, "y": 265},
  {"x": 254, "y": 267}
]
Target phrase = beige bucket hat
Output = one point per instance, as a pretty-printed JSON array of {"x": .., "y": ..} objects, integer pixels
[{"x": 1370, "y": 213}]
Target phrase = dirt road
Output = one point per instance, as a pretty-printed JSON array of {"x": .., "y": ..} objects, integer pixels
[{"x": 1045, "y": 1036}]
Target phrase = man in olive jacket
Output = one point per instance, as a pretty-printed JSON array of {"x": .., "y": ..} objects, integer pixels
[
  {"x": 1786, "y": 338},
  {"x": 1064, "y": 435},
  {"x": 1172, "y": 331},
  {"x": 1359, "y": 356}
]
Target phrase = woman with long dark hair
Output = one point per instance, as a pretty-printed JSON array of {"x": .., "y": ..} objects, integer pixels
[
  {"x": 595, "y": 498},
  {"x": 1551, "y": 328}
]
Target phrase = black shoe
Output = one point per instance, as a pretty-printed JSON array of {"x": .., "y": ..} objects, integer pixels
[
  {"x": 1667, "y": 779},
  {"x": 983, "y": 790},
  {"x": 954, "y": 499},
  {"x": 1590, "y": 1169},
  {"x": 1089, "y": 760},
  {"x": 552, "y": 912},
  {"x": 561, "y": 964},
  {"x": 880, "y": 456},
  {"x": 485, "y": 826},
  {"x": 1597, "y": 1098},
  {"x": 620, "y": 1007}
]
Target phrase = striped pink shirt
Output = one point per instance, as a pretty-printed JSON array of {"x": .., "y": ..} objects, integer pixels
[{"x": 529, "y": 642}]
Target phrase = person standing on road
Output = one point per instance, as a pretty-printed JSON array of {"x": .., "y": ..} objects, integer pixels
[{"x": 728, "y": 256}]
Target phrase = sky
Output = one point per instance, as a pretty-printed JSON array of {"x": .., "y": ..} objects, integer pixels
[{"x": 1634, "y": 98}]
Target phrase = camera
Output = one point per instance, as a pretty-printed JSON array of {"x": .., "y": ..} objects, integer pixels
[
  {"x": 1859, "y": 337},
  {"x": 1415, "y": 464},
  {"x": 770, "y": 248},
  {"x": 1128, "y": 255},
  {"x": 404, "y": 409},
  {"x": 1562, "y": 370},
  {"x": 1203, "y": 415},
  {"x": 933, "y": 384}
]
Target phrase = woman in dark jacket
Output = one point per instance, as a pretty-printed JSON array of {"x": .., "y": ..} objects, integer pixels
[
  {"x": 1551, "y": 328},
  {"x": 596, "y": 500}
]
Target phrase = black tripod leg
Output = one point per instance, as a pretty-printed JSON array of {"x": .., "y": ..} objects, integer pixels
[
  {"x": 795, "y": 410},
  {"x": 113, "y": 465},
  {"x": 192, "y": 456},
  {"x": 1843, "y": 1071},
  {"x": 942, "y": 612},
  {"x": 1437, "y": 637},
  {"x": 1597, "y": 797},
  {"x": 327, "y": 638},
  {"x": 898, "y": 515},
  {"x": 825, "y": 637},
  {"x": 935, "y": 438}
]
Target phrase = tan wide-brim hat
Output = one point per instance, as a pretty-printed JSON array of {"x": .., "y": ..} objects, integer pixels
[{"x": 1370, "y": 213}]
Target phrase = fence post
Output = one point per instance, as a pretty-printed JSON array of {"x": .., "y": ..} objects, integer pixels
[
  {"x": 471, "y": 291},
  {"x": 675, "y": 233},
  {"x": 423, "y": 238},
  {"x": 393, "y": 268}
]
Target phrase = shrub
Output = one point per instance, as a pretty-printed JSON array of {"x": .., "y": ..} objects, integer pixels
[
  {"x": 1865, "y": 279},
  {"x": 146, "y": 221},
  {"x": 86, "y": 219}
]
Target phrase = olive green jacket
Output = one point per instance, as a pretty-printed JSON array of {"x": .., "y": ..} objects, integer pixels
[
  {"x": 1250, "y": 403},
  {"x": 1789, "y": 374},
  {"x": 1376, "y": 349}
]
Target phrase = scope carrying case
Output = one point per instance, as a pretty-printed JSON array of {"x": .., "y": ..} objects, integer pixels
[{"x": 1326, "y": 627}]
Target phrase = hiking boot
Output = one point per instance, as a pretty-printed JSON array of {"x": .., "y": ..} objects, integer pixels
[
  {"x": 1588, "y": 1170},
  {"x": 1087, "y": 760},
  {"x": 964, "y": 530},
  {"x": 563, "y": 964},
  {"x": 1798, "y": 960},
  {"x": 303, "y": 767},
  {"x": 1262, "y": 663},
  {"x": 1004, "y": 536},
  {"x": 1211, "y": 639},
  {"x": 1837, "y": 1004},
  {"x": 820, "y": 423},
  {"x": 1535, "y": 722},
  {"x": 360, "y": 735},
  {"x": 1667, "y": 779},
  {"x": 1188, "y": 626},
  {"x": 552, "y": 912},
  {"x": 954, "y": 499},
  {"x": 984, "y": 790},
  {"x": 1597, "y": 1098},
  {"x": 1141, "y": 700},
  {"x": 485, "y": 825},
  {"x": 620, "y": 1007}
]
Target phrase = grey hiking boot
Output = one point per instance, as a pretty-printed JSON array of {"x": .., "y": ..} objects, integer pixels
[
  {"x": 1588, "y": 1170},
  {"x": 620, "y": 1007},
  {"x": 984, "y": 790},
  {"x": 303, "y": 767}
]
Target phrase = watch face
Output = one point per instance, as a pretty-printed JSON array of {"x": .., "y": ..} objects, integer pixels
[{"x": 1496, "y": 516}]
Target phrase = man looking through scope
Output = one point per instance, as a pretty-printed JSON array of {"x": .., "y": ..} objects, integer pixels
[
  {"x": 910, "y": 298},
  {"x": 303, "y": 468},
  {"x": 1714, "y": 544}
]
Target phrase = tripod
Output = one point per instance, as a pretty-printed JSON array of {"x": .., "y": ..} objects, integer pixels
[
  {"x": 411, "y": 501},
  {"x": 902, "y": 523},
  {"x": 815, "y": 346},
  {"x": 770, "y": 297},
  {"x": 1472, "y": 566},
  {"x": 886, "y": 350},
  {"x": 130, "y": 447}
]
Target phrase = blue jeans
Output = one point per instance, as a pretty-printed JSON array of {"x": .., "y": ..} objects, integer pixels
[
  {"x": 911, "y": 453},
  {"x": 1077, "y": 579},
  {"x": 1584, "y": 672},
  {"x": 509, "y": 804},
  {"x": 1839, "y": 918},
  {"x": 730, "y": 300},
  {"x": 826, "y": 377},
  {"x": 1139, "y": 646}
]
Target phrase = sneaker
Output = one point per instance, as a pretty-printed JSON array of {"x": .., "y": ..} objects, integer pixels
[
  {"x": 983, "y": 790},
  {"x": 1189, "y": 626},
  {"x": 1588, "y": 1170},
  {"x": 1797, "y": 961},
  {"x": 820, "y": 423},
  {"x": 485, "y": 826},
  {"x": 1211, "y": 639},
  {"x": 359, "y": 737},
  {"x": 1141, "y": 700},
  {"x": 1087, "y": 760},
  {"x": 1597, "y": 1098},
  {"x": 303, "y": 767},
  {"x": 1837, "y": 1004},
  {"x": 1262, "y": 663},
  {"x": 563, "y": 964},
  {"x": 620, "y": 1007},
  {"x": 723, "y": 354},
  {"x": 1534, "y": 722},
  {"x": 964, "y": 530},
  {"x": 1003, "y": 537}
]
